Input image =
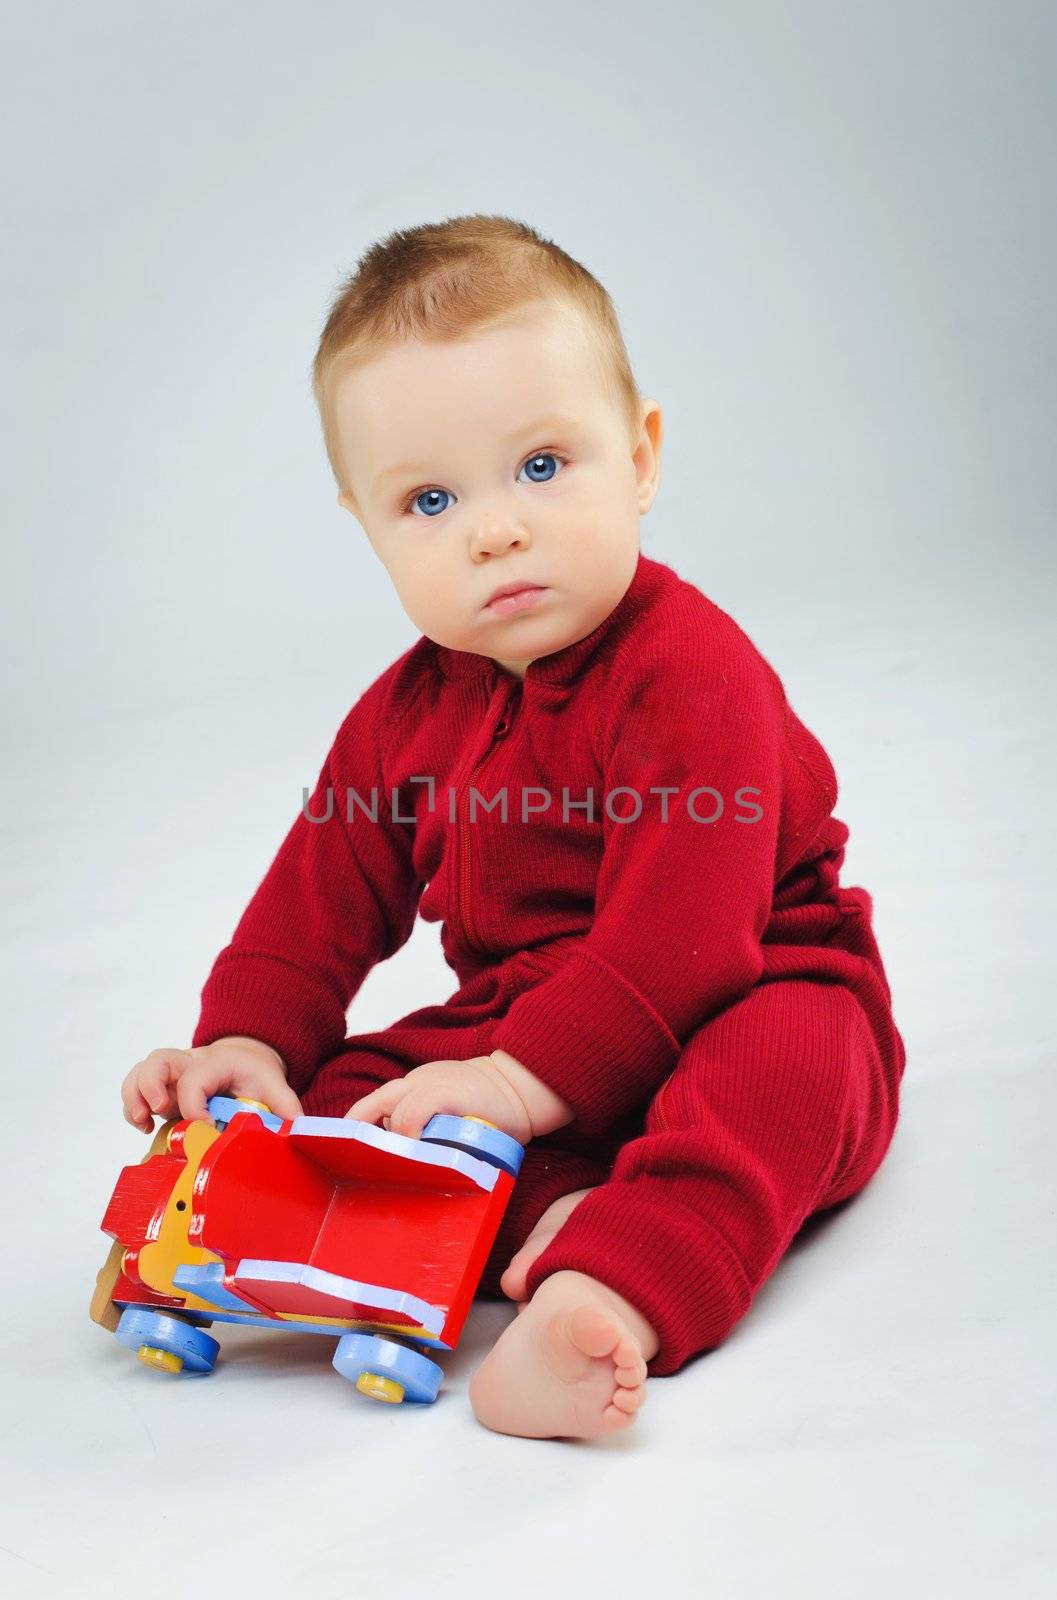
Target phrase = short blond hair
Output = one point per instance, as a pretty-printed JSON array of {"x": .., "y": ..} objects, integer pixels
[{"x": 441, "y": 280}]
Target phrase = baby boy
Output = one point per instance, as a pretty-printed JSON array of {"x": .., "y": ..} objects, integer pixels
[{"x": 586, "y": 772}]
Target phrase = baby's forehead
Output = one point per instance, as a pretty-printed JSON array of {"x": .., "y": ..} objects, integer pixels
[{"x": 509, "y": 384}]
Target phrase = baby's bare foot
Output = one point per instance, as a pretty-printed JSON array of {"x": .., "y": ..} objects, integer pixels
[
  {"x": 512, "y": 1282},
  {"x": 571, "y": 1365}
]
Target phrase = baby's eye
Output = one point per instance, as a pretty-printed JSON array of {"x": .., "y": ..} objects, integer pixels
[
  {"x": 431, "y": 496},
  {"x": 540, "y": 461}
]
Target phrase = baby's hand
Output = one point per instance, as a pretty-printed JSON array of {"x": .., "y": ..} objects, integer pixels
[
  {"x": 177, "y": 1083},
  {"x": 473, "y": 1088}
]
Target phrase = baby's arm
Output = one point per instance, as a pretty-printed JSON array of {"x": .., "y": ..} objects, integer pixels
[
  {"x": 340, "y": 896},
  {"x": 546, "y": 1110}
]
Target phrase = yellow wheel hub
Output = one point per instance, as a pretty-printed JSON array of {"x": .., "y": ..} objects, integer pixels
[
  {"x": 483, "y": 1120},
  {"x": 164, "y": 1360},
  {"x": 379, "y": 1388}
]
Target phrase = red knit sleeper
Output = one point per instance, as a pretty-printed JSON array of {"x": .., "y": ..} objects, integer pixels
[{"x": 633, "y": 856}]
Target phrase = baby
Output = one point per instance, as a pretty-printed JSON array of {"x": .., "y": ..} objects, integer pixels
[{"x": 586, "y": 772}]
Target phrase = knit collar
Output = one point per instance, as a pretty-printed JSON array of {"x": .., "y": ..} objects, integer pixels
[{"x": 565, "y": 665}]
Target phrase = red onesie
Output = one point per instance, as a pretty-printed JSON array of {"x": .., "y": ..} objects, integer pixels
[{"x": 634, "y": 860}]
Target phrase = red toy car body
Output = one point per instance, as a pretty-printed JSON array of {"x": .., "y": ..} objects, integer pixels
[{"x": 320, "y": 1224}]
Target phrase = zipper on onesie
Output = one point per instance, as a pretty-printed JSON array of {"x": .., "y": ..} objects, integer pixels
[{"x": 500, "y": 695}]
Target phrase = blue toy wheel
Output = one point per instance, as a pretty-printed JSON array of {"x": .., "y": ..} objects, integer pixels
[
  {"x": 385, "y": 1370},
  {"x": 477, "y": 1138},
  {"x": 222, "y": 1107},
  {"x": 166, "y": 1343}
]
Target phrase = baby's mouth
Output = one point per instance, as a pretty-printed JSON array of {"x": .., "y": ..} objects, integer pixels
[{"x": 506, "y": 605}]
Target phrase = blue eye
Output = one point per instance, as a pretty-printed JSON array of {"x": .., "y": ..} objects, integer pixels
[
  {"x": 430, "y": 502},
  {"x": 429, "y": 495},
  {"x": 533, "y": 461}
]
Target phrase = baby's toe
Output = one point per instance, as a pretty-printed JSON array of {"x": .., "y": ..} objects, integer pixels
[
  {"x": 614, "y": 1419},
  {"x": 594, "y": 1331},
  {"x": 629, "y": 1400},
  {"x": 628, "y": 1351}
]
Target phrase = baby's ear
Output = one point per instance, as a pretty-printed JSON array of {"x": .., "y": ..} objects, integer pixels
[{"x": 348, "y": 500}]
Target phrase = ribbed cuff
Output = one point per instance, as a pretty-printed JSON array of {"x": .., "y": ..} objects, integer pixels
[
  {"x": 276, "y": 1003},
  {"x": 668, "y": 1262},
  {"x": 592, "y": 1038}
]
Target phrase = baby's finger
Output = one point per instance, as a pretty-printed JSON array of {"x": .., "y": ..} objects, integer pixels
[
  {"x": 411, "y": 1116},
  {"x": 193, "y": 1091},
  {"x": 380, "y": 1102},
  {"x": 279, "y": 1098},
  {"x": 416, "y": 1108},
  {"x": 136, "y": 1110},
  {"x": 130, "y": 1095},
  {"x": 158, "y": 1077}
]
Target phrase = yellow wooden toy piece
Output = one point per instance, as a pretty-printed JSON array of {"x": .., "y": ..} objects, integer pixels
[
  {"x": 164, "y": 1360},
  {"x": 159, "y": 1259},
  {"x": 376, "y": 1387}
]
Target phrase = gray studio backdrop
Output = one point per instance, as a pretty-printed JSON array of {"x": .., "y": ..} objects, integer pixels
[
  {"x": 825, "y": 228},
  {"x": 828, "y": 229}
]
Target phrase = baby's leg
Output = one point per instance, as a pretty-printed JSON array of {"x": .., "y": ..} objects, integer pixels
[
  {"x": 553, "y": 1219},
  {"x": 778, "y": 1107},
  {"x": 550, "y": 1176}
]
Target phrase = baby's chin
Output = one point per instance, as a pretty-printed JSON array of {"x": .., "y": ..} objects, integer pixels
[{"x": 516, "y": 638}]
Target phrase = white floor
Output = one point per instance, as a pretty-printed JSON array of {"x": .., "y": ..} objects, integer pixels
[{"x": 884, "y": 1414}]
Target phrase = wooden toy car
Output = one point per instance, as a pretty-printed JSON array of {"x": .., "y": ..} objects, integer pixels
[{"x": 320, "y": 1224}]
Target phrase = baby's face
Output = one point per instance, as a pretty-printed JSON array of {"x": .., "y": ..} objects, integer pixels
[{"x": 497, "y": 459}]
